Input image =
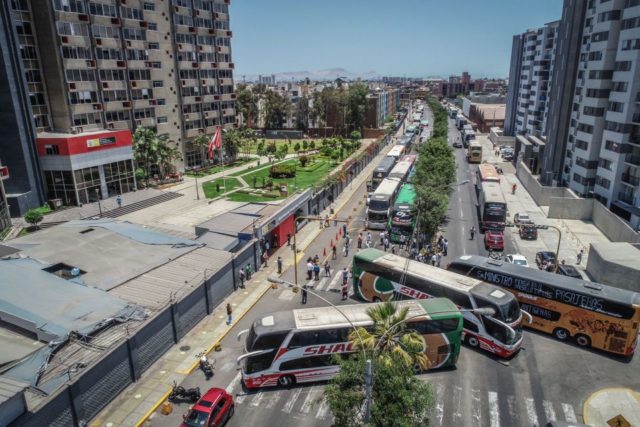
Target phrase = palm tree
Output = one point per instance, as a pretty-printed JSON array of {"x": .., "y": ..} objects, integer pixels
[
  {"x": 167, "y": 154},
  {"x": 201, "y": 142},
  {"x": 390, "y": 338},
  {"x": 145, "y": 149}
]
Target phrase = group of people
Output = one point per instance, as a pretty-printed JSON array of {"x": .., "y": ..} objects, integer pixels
[
  {"x": 313, "y": 268},
  {"x": 245, "y": 273}
]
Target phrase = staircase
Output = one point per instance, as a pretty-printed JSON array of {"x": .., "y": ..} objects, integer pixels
[{"x": 136, "y": 206}]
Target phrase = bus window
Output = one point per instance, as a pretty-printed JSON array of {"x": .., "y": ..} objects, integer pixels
[
  {"x": 259, "y": 363},
  {"x": 307, "y": 362},
  {"x": 466, "y": 324},
  {"x": 502, "y": 333},
  {"x": 264, "y": 342},
  {"x": 426, "y": 327},
  {"x": 326, "y": 336}
]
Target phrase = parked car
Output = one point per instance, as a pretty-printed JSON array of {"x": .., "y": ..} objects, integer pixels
[
  {"x": 517, "y": 259},
  {"x": 528, "y": 231},
  {"x": 494, "y": 240},
  {"x": 547, "y": 257},
  {"x": 522, "y": 218},
  {"x": 212, "y": 410},
  {"x": 457, "y": 144},
  {"x": 569, "y": 270}
]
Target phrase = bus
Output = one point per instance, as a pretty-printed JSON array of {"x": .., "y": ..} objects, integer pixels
[
  {"x": 492, "y": 206},
  {"x": 474, "y": 152},
  {"x": 296, "y": 346},
  {"x": 402, "y": 220},
  {"x": 405, "y": 141},
  {"x": 396, "y": 151},
  {"x": 411, "y": 130},
  {"x": 382, "y": 171},
  {"x": 401, "y": 170},
  {"x": 595, "y": 315},
  {"x": 487, "y": 173},
  {"x": 380, "y": 203}
]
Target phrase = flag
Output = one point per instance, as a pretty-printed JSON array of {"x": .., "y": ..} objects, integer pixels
[{"x": 215, "y": 142}]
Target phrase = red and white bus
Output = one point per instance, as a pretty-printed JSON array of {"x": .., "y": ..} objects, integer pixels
[
  {"x": 487, "y": 173},
  {"x": 492, "y": 206},
  {"x": 297, "y": 346}
]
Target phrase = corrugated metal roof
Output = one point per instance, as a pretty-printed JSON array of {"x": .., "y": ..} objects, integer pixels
[
  {"x": 9, "y": 388},
  {"x": 229, "y": 223},
  {"x": 155, "y": 289},
  {"x": 219, "y": 241},
  {"x": 249, "y": 209}
]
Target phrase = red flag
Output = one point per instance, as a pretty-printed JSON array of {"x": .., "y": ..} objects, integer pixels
[{"x": 215, "y": 142}]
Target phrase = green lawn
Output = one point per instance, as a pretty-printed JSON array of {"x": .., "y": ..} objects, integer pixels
[
  {"x": 216, "y": 169},
  {"x": 210, "y": 190}
]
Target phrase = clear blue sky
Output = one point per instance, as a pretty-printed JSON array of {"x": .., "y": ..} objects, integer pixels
[{"x": 392, "y": 37}]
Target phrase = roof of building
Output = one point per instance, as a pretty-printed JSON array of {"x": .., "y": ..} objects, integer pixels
[
  {"x": 219, "y": 241},
  {"x": 249, "y": 209},
  {"x": 491, "y": 111},
  {"x": 9, "y": 388},
  {"x": 229, "y": 223}
]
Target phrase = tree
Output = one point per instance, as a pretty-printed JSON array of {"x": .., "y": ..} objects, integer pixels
[
  {"x": 355, "y": 135},
  {"x": 167, "y": 153},
  {"x": 305, "y": 145},
  {"x": 34, "y": 217},
  {"x": 317, "y": 112},
  {"x": 312, "y": 145},
  {"x": 296, "y": 147},
  {"x": 260, "y": 149},
  {"x": 357, "y": 105},
  {"x": 302, "y": 114},
  {"x": 231, "y": 141},
  {"x": 145, "y": 149},
  {"x": 201, "y": 143},
  {"x": 277, "y": 109},
  {"x": 247, "y": 102}
]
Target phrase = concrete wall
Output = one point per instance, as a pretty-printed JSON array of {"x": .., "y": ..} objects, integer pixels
[
  {"x": 612, "y": 226},
  {"x": 605, "y": 265},
  {"x": 541, "y": 195},
  {"x": 570, "y": 208}
]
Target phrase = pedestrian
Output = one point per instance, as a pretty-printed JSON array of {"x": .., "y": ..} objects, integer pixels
[
  {"x": 348, "y": 239},
  {"x": 265, "y": 257},
  {"x": 345, "y": 291},
  {"x": 229, "y": 313},
  {"x": 369, "y": 239},
  {"x": 242, "y": 277},
  {"x": 247, "y": 270},
  {"x": 288, "y": 239},
  {"x": 579, "y": 257},
  {"x": 345, "y": 251},
  {"x": 334, "y": 251},
  {"x": 344, "y": 229},
  {"x": 279, "y": 265},
  {"x": 360, "y": 241},
  {"x": 119, "y": 200},
  {"x": 403, "y": 241},
  {"x": 304, "y": 294},
  {"x": 275, "y": 242},
  {"x": 472, "y": 231},
  {"x": 434, "y": 259},
  {"x": 309, "y": 269},
  {"x": 345, "y": 276},
  {"x": 386, "y": 244},
  {"x": 316, "y": 259},
  {"x": 326, "y": 220},
  {"x": 393, "y": 249},
  {"x": 267, "y": 246},
  {"x": 316, "y": 271},
  {"x": 382, "y": 238},
  {"x": 563, "y": 262},
  {"x": 446, "y": 247},
  {"x": 438, "y": 258}
]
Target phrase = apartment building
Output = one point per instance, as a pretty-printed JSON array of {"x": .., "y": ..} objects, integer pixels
[
  {"x": 532, "y": 61},
  {"x": 603, "y": 149},
  {"x": 112, "y": 65}
]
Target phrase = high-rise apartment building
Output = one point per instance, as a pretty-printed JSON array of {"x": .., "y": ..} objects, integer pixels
[
  {"x": 94, "y": 67},
  {"x": 532, "y": 62}
]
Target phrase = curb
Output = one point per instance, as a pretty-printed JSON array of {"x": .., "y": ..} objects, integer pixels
[{"x": 585, "y": 405}]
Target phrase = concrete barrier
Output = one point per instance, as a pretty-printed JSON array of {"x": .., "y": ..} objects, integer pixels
[
  {"x": 612, "y": 226},
  {"x": 614, "y": 264},
  {"x": 541, "y": 194},
  {"x": 570, "y": 208}
]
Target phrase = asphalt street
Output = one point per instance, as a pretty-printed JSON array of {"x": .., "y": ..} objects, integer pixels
[{"x": 547, "y": 380}]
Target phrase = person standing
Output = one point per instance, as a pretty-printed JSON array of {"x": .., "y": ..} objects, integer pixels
[
  {"x": 119, "y": 200},
  {"x": 247, "y": 270},
  {"x": 304, "y": 294},
  {"x": 288, "y": 239},
  {"x": 334, "y": 251},
  {"x": 434, "y": 259},
  {"x": 309, "y": 269},
  {"x": 393, "y": 249},
  {"x": 345, "y": 250},
  {"x": 382, "y": 238},
  {"x": 265, "y": 258},
  {"x": 327, "y": 269},
  {"x": 242, "y": 277},
  {"x": 438, "y": 258},
  {"x": 279, "y": 265},
  {"x": 344, "y": 229},
  {"x": 579, "y": 256},
  {"x": 386, "y": 243},
  {"x": 316, "y": 270},
  {"x": 445, "y": 247},
  {"x": 345, "y": 291},
  {"x": 345, "y": 276},
  {"x": 267, "y": 246},
  {"x": 472, "y": 231},
  {"x": 229, "y": 313},
  {"x": 369, "y": 239},
  {"x": 359, "y": 240}
]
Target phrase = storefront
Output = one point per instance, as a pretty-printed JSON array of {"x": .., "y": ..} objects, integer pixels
[{"x": 82, "y": 168}]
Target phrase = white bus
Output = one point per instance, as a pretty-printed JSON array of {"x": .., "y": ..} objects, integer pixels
[
  {"x": 396, "y": 151},
  {"x": 381, "y": 202},
  {"x": 492, "y": 206},
  {"x": 289, "y": 347},
  {"x": 401, "y": 170}
]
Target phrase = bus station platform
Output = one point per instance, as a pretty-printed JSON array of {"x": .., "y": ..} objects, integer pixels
[{"x": 604, "y": 408}]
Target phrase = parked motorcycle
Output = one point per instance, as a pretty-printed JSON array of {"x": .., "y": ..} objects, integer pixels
[
  {"x": 179, "y": 393},
  {"x": 205, "y": 365}
]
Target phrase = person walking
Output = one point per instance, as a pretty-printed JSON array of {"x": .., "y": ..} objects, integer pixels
[
  {"x": 265, "y": 258},
  {"x": 359, "y": 240},
  {"x": 242, "y": 276},
  {"x": 327, "y": 269},
  {"x": 386, "y": 243},
  {"x": 345, "y": 291},
  {"x": 345, "y": 276},
  {"x": 119, "y": 200},
  {"x": 393, "y": 249},
  {"x": 579, "y": 256},
  {"x": 309, "y": 269},
  {"x": 288, "y": 239},
  {"x": 369, "y": 239},
  {"x": 304, "y": 294},
  {"x": 382, "y": 238},
  {"x": 438, "y": 258},
  {"x": 334, "y": 251},
  {"x": 248, "y": 270},
  {"x": 434, "y": 259},
  {"x": 316, "y": 270},
  {"x": 279, "y": 265},
  {"x": 445, "y": 246},
  {"x": 345, "y": 250},
  {"x": 229, "y": 314},
  {"x": 472, "y": 231},
  {"x": 326, "y": 220}
]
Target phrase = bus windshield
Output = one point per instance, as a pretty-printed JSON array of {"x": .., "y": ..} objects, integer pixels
[
  {"x": 495, "y": 212},
  {"x": 378, "y": 205},
  {"x": 501, "y": 332}
]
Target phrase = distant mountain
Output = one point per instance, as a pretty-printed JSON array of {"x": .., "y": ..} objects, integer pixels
[{"x": 328, "y": 74}]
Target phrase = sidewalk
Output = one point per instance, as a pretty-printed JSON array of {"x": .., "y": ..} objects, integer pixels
[
  {"x": 608, "y": 403},
  {"x": 136, "y": 404}
]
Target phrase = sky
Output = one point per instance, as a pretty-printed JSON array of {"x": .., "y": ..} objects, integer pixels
[{"x": 413, "y": 38}]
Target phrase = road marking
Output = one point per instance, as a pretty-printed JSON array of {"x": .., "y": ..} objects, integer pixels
[
  {"x": 569, "y": 415},
  {"x": 286, "y": 295},
  {"x": 457, "y": 401},
  {"x": 272, "y": 399},
  {"x": 257, "y": 399},
  {"x": 323, "y": 409},
  {"x": 439, "y": 403},
  {"x": 235, "y": 381},
  {"x": 549, "y": 412},
  {"x": 476, "y": 409},
  {"x": 310, "y": 399},
  {"x": 335, "y": 282},
  {"x": 494, "y": 413},
  {"x": 531, "y": 412},
  {"x": 321, "y": 283},
  {"x": 292, "y": 401}
]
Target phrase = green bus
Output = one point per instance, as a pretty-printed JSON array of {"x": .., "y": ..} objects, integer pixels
[{"x": 402, "y": 220}]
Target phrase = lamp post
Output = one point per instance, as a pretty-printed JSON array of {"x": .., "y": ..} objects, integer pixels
[
  {"x": 545, "y": 227},
  {"x": 99, "y": 204}
]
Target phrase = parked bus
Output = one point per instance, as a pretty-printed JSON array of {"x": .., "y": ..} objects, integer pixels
[
  {"x": 380, "y": 203},
  {"x": 474, "y": 152},
  {"x": 492, "y": 206},
  {"x": 381, "y": 172},
  {"x": 296, "y": 346},
  {"x": 487, "y": 173},
  {"x": 401, "y": 170},
  {"x": 396, "y": 151},
  {"x": 402, "y": 220},
  {"x": 411, "y": 130},
  {"x": 461, "y": 121},
  {"x": 405, "y": 141},
  {"x": 595, "y": 315},
  {"x": 380, "y": 276}
]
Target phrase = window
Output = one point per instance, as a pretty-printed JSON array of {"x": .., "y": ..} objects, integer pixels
[
  {"x": 75, "y": 52},
  {"x": 148, "y": 6},
  {"x": 600, "y": 74},
  {"x": 144, "y": 113},
  {"x": 615, "y": 106},
  {"x": 141, "y": 94},
  {"x": 153, "y": 46},
  {"x": 603, "y": 182},
  {"x": 83, "y": 97},
  {"x": 72, "y": 29},
  {"x": 80, "y": 75},
  {"x": 102, "y": 10},
  {"x": 86, "y": 119},
  {"x": 631, "y": 23},
  {"x": 619, "y": 86},
  {"x": 162, "y": 119},
  {"x": 104, "y": 32},
  {"x": 469, "y": 325},
  {"x": 597, "y": 93},
  {"x": 114, "y": 95},
  {"x": 51, "y": 150},
  {"x": 139, "y": 75},
  {"x": 117, "y": 116},
  {"x": 582, "y": 145},
  {"x": 112, "y": 75},
  {"x": 630, "y": 44},
  {"x": 106, "y": 53},
  {"x": 75, "y": 6},
  {"x": 617, "y": 127},
  {"x": 131, "y": 13},
  {"x": 307, "y": 363},
  {"x": 183, "y": 20},
  {"x": 325, "y": 336},
  {"x": 133, "y": 33},
  {"x": 622, "y": 66},
  {"x": 593, "y": 111},
  {"x": 583, "y": 127},
  {"x": 605, "y": 163},
  {"x": 426, "y": 327},
  {"x": 616, "y": 147},
  {"x": 595, "y": 56},
  {"x": 152, "y": 26},
  {"x": 137, "y": 55},
  {"x": 158, "y": 83},
  {"x": 610, "y": 15},
  {"x": 600, "y": 37}
]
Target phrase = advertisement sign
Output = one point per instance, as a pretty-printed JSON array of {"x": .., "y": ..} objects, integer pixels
[{"x": 101, "y": 142}]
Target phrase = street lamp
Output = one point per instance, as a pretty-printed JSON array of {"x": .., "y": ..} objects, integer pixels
[
  {"x": 99, "y": 204},
  {"x": 545, "y": 227}
]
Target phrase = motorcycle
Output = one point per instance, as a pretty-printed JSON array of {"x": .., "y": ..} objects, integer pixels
[
  {"x": 495, "y": 255},
  {"x": 205, "y": 365},
  {"x": 180, "y": 393}
]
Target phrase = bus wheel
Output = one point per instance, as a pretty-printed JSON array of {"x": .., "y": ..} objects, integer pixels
[
  {"x": 286, "y": 380},
  {"x": 561, "y": 334},
  {"x": 583, "y": 340},
  {"x": 376, "y": 299},
  {"x": 472, "y": 341}
]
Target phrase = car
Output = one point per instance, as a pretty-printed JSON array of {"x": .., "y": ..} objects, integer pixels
[
  {"x": 522, "y": 218},
  {"x": 213, "y": 409},
  {"x": 547, "y": 257},
  {"x": 517, "y": 259},
  {"x": 494, "y": 240},
  {"x": 528, "y": 232},
  {"x": 569, "y": 270},
  {"x": 457, "y": 144}
]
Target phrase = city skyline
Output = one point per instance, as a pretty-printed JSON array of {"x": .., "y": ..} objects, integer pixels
[{"x": 417, "y": 27}]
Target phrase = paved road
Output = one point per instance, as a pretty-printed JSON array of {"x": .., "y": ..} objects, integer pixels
[{"x": 546, "y": 381}]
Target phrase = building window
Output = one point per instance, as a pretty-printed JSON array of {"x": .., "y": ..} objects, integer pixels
[
  {"x": 622, "y": 66},
  {"x": 148, "y": 6},
  {"x": 619, "y": 86},
  {"x": 630, "y": 44},
  {"x": 606, "y": 164},
  {"x": 74, "y": 6},
  {"x": 83, "y": 97},
  {"x": 600, "y": 37},
  {"x": 610, "y": 15},
  {"x": 603, "y": 182},
  {"x": 593, "y": 111},
  {"x": 158, "y": 83},
  {"x": 102, "y": 10},
  {"x": 51, "y": 150},
  {"x": 582, "y": 145},
  {"x": 616, "y": 107},
  {"x": 595, "y": 56},
  {"x": 583, "y": 127},
  {"x": 162, "y": 119}
]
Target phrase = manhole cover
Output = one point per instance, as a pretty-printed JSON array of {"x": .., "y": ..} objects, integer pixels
[{"x": 185, "y": 348}]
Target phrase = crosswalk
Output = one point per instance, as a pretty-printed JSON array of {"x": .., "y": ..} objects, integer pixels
[
  {"x": 453, "y": 405},
  {"x": 325, "y": 284}
]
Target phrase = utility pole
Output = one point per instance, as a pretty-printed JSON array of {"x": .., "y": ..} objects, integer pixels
[{"x": 368, "y": 390}]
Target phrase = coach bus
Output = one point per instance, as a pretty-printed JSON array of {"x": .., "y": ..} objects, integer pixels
[
  {"x": 487, "y": 173},
  {"x": 492, "y": 206},
  {"x": 595, "y": 315},
  {"x": 381, "y": 171},
  {"x": 289, "y": 347},
  {"x": 402, "y": 220},
  {"x": 401, "y": 170},
  {"x": 380, "y": 203},
  {"x": 396, "y": 151},
  {"x": 474, "y": 152},
  {"x": 380, "y": 276}
]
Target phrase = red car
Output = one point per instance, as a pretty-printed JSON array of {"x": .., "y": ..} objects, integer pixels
[
  {"x": 212, "y": 410},
  {"x": 494, "y": 240}
]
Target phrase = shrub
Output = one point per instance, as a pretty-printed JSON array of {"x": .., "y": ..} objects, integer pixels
[
  {"x": 285, "y": 170},
  {"x": 296, "y": 147},
  {"x": 326, "y": 151},
  {"x": 34, "y": 217},
  {"x": 140, "y": 175},
  {"x": 312, "y": 145},
  {"x": 304, "y": 160}
]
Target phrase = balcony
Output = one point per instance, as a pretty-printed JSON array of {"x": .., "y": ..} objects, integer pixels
[
  {"x": 632, "y": 159},
  {"x": 625, "y": 197},
  {"x": 636, "y": 118},
  {"x": 630, "y": 179}
]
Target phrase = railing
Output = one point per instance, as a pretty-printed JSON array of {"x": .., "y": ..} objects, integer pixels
[
  {"x": 633, "y": 159},
  {"x": 626, "y": 197},
  {"x": 630, "y": 179}
]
